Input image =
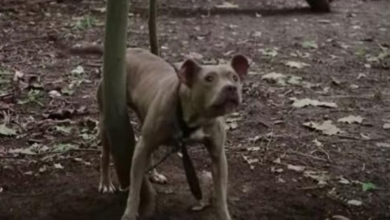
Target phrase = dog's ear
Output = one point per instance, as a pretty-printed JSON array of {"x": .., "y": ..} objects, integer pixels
[
  {"x": 240, "y": 64},
  {"x": 188, "y": 71}
]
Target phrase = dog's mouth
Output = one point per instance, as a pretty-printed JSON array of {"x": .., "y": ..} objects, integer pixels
[{"x": 226, "y": 105}]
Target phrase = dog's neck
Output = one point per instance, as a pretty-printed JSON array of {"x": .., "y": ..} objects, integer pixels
[{"x": 190, "y": 111}]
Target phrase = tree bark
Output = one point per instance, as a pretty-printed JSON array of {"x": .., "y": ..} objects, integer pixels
[{"x": 119, "y": 130}]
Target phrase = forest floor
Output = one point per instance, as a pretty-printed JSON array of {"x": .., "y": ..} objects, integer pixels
[{"x": 311, "y": 140}]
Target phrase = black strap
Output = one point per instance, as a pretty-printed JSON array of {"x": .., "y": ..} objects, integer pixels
[{"x": 184, "y": 132}]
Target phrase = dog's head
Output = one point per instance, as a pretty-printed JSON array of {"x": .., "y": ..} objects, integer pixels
[{"x": 215, "y": 89}]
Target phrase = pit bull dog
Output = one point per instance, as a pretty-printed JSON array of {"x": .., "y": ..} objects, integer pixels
[{"x": 203, "y": 93}]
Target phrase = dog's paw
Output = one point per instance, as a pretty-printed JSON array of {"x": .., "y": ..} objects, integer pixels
[
  {"x": 199, "y": 206},
  {"x": 106, "y": 187},
  {"x": 129, "y": 216},
  {"x": 157, "y": 178}
]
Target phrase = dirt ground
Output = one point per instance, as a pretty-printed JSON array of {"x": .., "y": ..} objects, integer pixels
[{"x": 280, "y": 169}]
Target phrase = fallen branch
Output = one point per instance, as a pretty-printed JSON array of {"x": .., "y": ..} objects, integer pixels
[{"x": 307, "y": 155}]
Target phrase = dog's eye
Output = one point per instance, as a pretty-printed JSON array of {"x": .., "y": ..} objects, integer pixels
[
  {"x": 235, "y": 78},
  {"x": 209, "y": 78}
]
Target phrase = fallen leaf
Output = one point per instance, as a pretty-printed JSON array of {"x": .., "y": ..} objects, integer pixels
[
  {"x": 296, "y": 64},
  {"x": 276, "y": 170},
  {"x": 386, "y": 126},
  {"x": 320, "y": 176},
  {"x": 326, "y": 127},
  {"x": 365, "y": 136},
  {"x": 252, "y": 149},
  {"x": 43, "y": 169},
  {"x": 58, "y": 166},
  {"x": 351, "y": 119},
  {"x": 342, "y": 180},
  {"x": 195, "y": 55},
  {"x": 317, "y": 143},
  {"x": 277, "y": 161},
  {"x": 28, "y": 173},
  {"x": 309, "y": 45},
  {"x": 251, "y": 161},
  {"x": 64, "y": 129},
  {"x": 54, "y": 94},
  {"x": 231, "y": 126},
  {"x": 339, "y": 217},
  {"x": 269, "y": 52},
  {"x": 257, "y": 34},
  {"x": 354, "y": 202},
  {"x": 368, "y": 186},
  {"x": 385, "y": 145},
  {"x": 227, "y": 5},
  {"x": 26, "y": 151},
  {"x": 295, "y": 80},
  {"x": 300, "y": 103},
  {"x": 18, "y": 76},
  {"x": 296, "y": 168},
  {"x": 273, "y": 77},
  {"x": 6, "y": 131},
  {"x": 64, "y": 147},
  {"x": 78, "y": 70}
]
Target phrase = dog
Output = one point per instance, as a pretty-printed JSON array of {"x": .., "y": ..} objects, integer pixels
[{"x": 155, "y": 88}]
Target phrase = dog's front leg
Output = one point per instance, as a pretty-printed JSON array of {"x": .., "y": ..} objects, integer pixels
[
  {"x": 219, "y": 169},
  {"x": 138, "y": 167}
]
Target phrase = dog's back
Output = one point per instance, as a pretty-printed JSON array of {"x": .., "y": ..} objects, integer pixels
[{"x": 150, "y": 79}]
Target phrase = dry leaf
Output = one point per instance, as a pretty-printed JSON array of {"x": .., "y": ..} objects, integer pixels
[
  {"x": 296, "y": 168},
  {"x": 252, "y": 149},
  {"x": 296, "y": 64},
  {"x": 309, "y": 45},
  {"x": 251, "y": 161},
  {"x": 300, "y": 103},
  {"x": 320, "y": 176},
  {"x": 327, "y": 127},
  {"x": 6, "y": 131},
  {"x": 339, "y": 217},
  {"x": 351, "y": 119},
  {"x": 317, "y": 143},
  {"x": 227, "y": 5},
  {"x": 342, "y": 180},
  {"x": 277, "y": 160},
  {"x": 354, "y": 202},
  {"x": 273, "y": 77},
  {"x": 58, "y": 166},
  {"x": 281, "y": 79},
  {"x": 18, "y": 76},
  {"x": 54, "y": 94},
  {"x": 385, "y": 145},
  {"x": 78, "y": 70},
  {"x": 386, "y": 126}
]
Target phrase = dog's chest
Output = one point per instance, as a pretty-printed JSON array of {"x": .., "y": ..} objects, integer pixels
[{"x": 198, "y": 135}]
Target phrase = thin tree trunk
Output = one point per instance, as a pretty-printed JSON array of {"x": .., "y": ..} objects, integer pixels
[
  {"x": 153, "y": 27},
  {"x": 119, "y": 130}
]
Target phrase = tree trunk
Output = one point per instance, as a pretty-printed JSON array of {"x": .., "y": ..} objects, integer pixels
[
  {"x": 119, "y": 130},
  {"x": 153, "y": 27},
  {"x": 319, "y": 5}
]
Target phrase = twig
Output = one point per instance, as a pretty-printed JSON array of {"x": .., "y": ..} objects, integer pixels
[
  {"x": 307, "y": 155},
  {"x": 323, "y": 151},
  {"x": 55, "y": 152},
  {"x": 26, "y": 194},
  {"x": 348, "y": 137}
]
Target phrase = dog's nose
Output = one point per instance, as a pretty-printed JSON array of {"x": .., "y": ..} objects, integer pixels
[{"x": 231, "y": 89}]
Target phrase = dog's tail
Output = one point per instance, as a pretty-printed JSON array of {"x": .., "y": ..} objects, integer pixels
[{"x": 86, "y": 50}]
